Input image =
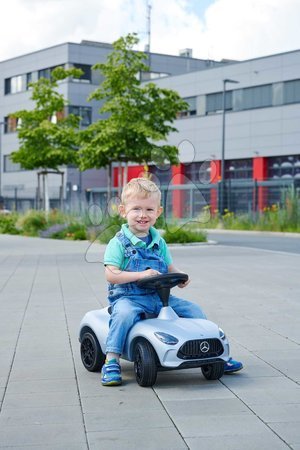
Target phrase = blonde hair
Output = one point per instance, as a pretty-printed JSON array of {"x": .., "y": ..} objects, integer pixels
[{"x": 141, "y": 187}]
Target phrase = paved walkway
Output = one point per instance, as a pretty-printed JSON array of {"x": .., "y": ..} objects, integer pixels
[{"x": 49, "y": 401}]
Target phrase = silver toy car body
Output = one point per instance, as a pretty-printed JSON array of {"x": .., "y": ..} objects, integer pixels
[{"x": 165, "y": 342}]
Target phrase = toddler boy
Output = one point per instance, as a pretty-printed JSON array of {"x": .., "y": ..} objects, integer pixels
[{"x": 138, "y": 251}]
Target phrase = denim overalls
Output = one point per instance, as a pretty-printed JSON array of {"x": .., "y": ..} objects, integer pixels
[{"x": 128, "y": 301}]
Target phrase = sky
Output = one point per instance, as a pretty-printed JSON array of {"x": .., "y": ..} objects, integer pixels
[{"x": 213, "y": 29}]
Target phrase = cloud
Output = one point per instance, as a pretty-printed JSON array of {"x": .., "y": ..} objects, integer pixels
[
  {"x": 236, "y": 29},
  {"x": 251, "y": 28}
]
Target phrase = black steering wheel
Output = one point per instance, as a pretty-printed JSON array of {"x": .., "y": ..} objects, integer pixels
[{"x": 166, "y": 280}]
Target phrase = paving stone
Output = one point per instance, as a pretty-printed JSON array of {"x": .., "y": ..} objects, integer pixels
[
  {"x": 289, "y": 431},
  {"x": 119, "y": 400},
  {"x": 54, "y": 386},
  {"x": 265, "y": 441},
  {"x": 62, "y": 434},
  {"x": 36, "y": 400},
  {"x": 42, "y": 369},
  {"x": 267, "y": 391},
  {"x": 26, "y": 416},
  {"x": 200, "y": 389},
  {"x": 289, "y": 412},
  {"x": 147, "y": 438},
  {"x": 127, "y": 417},
  {"x": 203, "y": 407}
]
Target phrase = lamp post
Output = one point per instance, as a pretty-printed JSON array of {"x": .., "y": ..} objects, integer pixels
[
  {"x": 221, "y": 208},
  {"x": 1, "y": 160}
]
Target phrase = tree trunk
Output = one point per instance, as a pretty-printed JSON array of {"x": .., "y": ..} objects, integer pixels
[
  {"x": 38, "y": 197},
  {"x": 46, "y": 194},
  {"x": 62, "y": 192}
]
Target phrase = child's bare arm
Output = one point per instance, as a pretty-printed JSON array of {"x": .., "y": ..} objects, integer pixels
[{"x": 115, "y": 275}]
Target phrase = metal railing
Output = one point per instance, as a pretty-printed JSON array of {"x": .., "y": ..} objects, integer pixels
[{"x": 186, "y": 200}]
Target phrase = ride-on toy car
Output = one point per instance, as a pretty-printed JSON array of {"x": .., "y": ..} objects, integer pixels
[{"x": 165, "y": 342}]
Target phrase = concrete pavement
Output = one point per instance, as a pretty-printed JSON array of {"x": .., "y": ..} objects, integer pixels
[{"x": 49, "y": 401}]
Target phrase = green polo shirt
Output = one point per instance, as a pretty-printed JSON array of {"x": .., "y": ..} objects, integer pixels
[{"x": 114, "y": 253}]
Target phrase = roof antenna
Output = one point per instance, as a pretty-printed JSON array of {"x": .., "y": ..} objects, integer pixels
[{"x": 147, "y": 46}]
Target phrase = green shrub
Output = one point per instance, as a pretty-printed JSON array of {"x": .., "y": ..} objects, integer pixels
[
  {"x": 8, "y": 223},
  {"x": 183, "y": 235},
  {"x": 74, "y": 231},
  {"x": 31, "y": 223},
  {"x": 56, "y": 216}
]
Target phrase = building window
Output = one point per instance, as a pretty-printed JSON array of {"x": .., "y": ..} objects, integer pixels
[
  {"x": 214, "y": 102},
  {"x": 18, "y": 83},
  {"x": 277, "y": 94},
  {"x": 242, "y": 99},
  {"x": 86, "y": 77},
  {"x": 46, "y": 73},
  {"x": 146, "y": 76},
  {"x": 197, "y": 172},
  {"x": 84, "y": 112},
  {"x": 28, "y": 80},
  {"x": 192, "y": 107},
  {"x": 284, "y": 167},
  {"x": 10, "y": 124},
  {"x": 7, "y": 84},
  {"x": 14, "y": 84},
  {"x": 10, "y": 166},
  {"x": 257, "y": 97},
  {"x": 192, "y": 171},
  {"x": 162, "y": 173},
  {"x": 238, "y": 169},
  {"x": 291, "y": 91}
]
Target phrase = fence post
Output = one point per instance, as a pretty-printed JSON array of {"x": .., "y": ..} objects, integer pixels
[
  {"x": 16, "y": 199},
  {"x": 255, "y": 195},
  {"x": 62, "y": 192}
]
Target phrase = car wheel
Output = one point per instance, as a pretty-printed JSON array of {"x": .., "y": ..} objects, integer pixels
[
  {"x": 145, "y": 365},
  {"x": 91, "y": 353},
  {"x": 213, "y": 371}
]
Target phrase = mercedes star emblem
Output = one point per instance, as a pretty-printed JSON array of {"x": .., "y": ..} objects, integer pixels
[{"x": 204, "y": 347}]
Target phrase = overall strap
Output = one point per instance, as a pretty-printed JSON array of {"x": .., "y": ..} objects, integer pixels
[{"x": 128, "y": 247}]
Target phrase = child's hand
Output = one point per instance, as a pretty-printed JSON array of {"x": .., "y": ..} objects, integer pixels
[
  {"x": 149, "y": 273},
  {"x": 184, "y": 284}
]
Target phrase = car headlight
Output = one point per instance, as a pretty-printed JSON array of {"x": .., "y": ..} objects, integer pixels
[
  {"x": 166, "y": 338},
  {"x": 222, "y": 334}
]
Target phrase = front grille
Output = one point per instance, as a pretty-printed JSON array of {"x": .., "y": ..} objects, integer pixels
[{"x": 196, "y": 349}]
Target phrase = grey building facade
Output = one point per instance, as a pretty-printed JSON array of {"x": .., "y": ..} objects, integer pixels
[
  {"x": 257, "y": 129},
  {"x": 19, "y": 187},
  {"x": 260, "y": 138}
]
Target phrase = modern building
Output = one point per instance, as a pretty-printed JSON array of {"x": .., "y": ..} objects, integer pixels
[
  {"x": 255, "y": 132},
  {"x": 243, "y": 116},
  {"x": 19, "y": 187}
]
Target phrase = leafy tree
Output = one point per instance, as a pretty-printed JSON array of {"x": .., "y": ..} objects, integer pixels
[
  {"x": 47, "y": 138},
  {"x": 138, "y": 117}
]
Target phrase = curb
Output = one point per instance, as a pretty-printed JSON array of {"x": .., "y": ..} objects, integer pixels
[
  {"x": 249, "y": 232},
  {"x": 193, "y": 244}
]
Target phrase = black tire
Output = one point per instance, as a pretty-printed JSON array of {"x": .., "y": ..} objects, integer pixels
[
  {"x": 145, "y": 366},
  {"x": 213, "y": 371},
  {"x": 91, "y": 354}
]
